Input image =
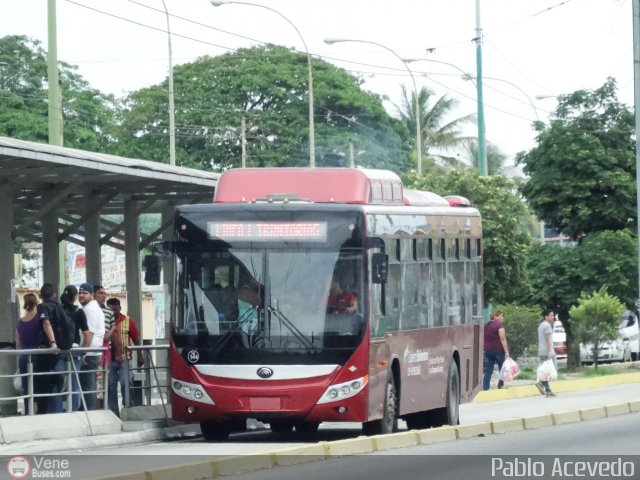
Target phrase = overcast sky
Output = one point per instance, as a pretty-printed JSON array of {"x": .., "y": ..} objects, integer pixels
[{"x": 531, "y": 47}]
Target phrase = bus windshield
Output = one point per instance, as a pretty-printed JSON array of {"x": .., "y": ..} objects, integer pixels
[{"x": 269, "y": 305}]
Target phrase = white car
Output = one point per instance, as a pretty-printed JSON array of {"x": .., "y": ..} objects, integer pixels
[
  {"x": 611, "y": 351},
  {"x": 630, "y": 331},
  {"x": 623, "y": 349}
]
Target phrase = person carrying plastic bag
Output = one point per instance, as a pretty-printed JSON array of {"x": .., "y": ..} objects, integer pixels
[
  {"x": 547, "y": 371},
  {"x": 495, "y": 348}
]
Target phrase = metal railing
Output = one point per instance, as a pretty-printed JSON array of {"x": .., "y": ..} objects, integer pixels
[{"x": 147, "y": 384}]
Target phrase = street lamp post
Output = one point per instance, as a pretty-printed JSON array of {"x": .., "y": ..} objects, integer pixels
[
  {"x": 172, "y": 120},
  {"x": 330, "y": 41},
  {"x": 312, "y": 142}
]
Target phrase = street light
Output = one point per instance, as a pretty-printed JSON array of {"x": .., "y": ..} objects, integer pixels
[
  {"x": 330, "y": 41},
  {"x": 535, "y": 110},
  {"x": 172, "y": 120},
  {"x": 312, "y": 142}
]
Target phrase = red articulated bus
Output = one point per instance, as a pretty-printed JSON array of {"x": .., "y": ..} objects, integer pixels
[{"x": 303, "y": 296}]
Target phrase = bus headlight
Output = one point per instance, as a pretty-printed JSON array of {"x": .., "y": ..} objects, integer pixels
[
  {"x": 344, "y": 390},
  {"x": 191, "y": 391}
]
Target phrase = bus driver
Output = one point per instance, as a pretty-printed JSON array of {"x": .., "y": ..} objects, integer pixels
[{"x": 341, "y": 301}]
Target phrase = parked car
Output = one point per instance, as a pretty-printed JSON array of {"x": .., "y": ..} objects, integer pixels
[
  {"x": 630, "y": 330},
  {"x": 559, "y": 338},
  {"x": 610, "y": 351}
]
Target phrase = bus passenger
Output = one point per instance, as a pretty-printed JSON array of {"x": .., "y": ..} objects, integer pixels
[{"x": 341, "y": 301}]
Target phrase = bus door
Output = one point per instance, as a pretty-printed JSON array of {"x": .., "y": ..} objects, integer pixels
[{"x": 379, "y": 352}]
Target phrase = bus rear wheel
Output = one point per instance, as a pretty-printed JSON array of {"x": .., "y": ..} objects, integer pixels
[
  {"x": 215, "y": 431},
  {"x": 389, "y": 421},
  {"x": 450, "y": 415}
]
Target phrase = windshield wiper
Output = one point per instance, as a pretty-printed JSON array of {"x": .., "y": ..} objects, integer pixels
[
  {"x": 289, "y": 324},
  {"x": 236, "y": 327}
]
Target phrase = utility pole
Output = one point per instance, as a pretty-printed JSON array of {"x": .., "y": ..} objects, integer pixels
[
  {"x": 482, "y": 148},
  {"x": 55, "y": 101},
  {"x": 53, "y": 258},
  {"x": 636, "y": 95}
]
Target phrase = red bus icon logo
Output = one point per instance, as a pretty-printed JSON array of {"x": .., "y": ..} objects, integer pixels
[{"x": 18, "y": 467}]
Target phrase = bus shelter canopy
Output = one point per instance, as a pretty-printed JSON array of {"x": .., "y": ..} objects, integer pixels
[{"x": 73, "y": 184}]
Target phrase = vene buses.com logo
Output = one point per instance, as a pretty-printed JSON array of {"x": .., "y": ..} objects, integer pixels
[{"x": 18, "y": 467}]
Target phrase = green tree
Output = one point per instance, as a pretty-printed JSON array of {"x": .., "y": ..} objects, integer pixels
[
  {"x": 558, "y": 274},
  {"x": 582, "y": 170},
  {"x": 609, "y": 258},
  {"x": 506, "y": 239},
  {"x": 439, "y": 136},
  {"x": 596, "y": 319},
  {"x": 554, "y": 282},
  {"x": 267, "y": 86},
  {"x": 88, "y": 114}
]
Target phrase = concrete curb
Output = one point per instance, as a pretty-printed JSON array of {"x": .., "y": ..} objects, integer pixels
[{"x": 363, "y": 445}]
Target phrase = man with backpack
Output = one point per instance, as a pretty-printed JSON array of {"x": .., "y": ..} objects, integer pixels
[
  {"x": 45, "y": 362},
  {"x": 58, "y": 331}
]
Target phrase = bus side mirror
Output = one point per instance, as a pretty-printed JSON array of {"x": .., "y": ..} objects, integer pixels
[
  {"x": 151, "y": 263},
  {"x": 379, "y": 268}
]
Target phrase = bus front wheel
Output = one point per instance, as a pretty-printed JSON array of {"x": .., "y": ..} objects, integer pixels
[
  {"x": 281, "y": 426},
  {"x": 389, "y": 421},
  {"x": 307, "y": 427},
  {"x": 215, "y": 431}
]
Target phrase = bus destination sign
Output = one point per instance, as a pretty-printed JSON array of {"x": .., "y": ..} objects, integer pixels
[{"x": 269, "y": 231}]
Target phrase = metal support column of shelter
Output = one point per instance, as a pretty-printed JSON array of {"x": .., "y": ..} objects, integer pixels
[
  {"x": 132, "y": 262},
  {"x": 7, "y": 296},
  {"x": 50, "y": 245},
  {"x": 167, "y": 268},
  {"x": 6, "y": 263},
  {"x": 93, "y": 272}
]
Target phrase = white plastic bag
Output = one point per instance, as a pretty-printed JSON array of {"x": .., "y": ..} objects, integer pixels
[
  {"x": 510, "y": 370},
  {"x": 17, "y": 383},
  {"x": 547, "y": 371}
]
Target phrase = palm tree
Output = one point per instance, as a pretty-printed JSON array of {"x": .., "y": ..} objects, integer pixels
[
  {"x": 439, "y": 139},
  {"x": 495, "y": 158}
]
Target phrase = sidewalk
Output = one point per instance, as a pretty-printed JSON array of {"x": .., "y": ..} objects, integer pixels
[{"x": 529, "y": 389}]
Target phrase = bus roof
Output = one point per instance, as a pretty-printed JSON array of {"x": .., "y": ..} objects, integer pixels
[{"x": 320, "y": 185}]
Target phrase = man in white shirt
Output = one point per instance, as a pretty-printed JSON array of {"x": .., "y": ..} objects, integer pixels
[{"x": 91, "y": 360}]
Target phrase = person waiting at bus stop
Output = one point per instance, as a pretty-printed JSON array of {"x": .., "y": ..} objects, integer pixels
[
  {"x": 123, "y": 333},
  {"x": 495, "y": 347}
]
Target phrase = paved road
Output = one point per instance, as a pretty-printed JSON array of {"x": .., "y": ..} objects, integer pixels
[
  {"x": 544, "y": 453},
  {"x": 471, "y": 413}
]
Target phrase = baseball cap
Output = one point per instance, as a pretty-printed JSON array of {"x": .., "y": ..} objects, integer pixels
[{"x": 86, "y": 287}]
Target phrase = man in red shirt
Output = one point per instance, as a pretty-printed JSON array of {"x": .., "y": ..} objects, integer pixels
[{"x": 123, "y": 333}]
